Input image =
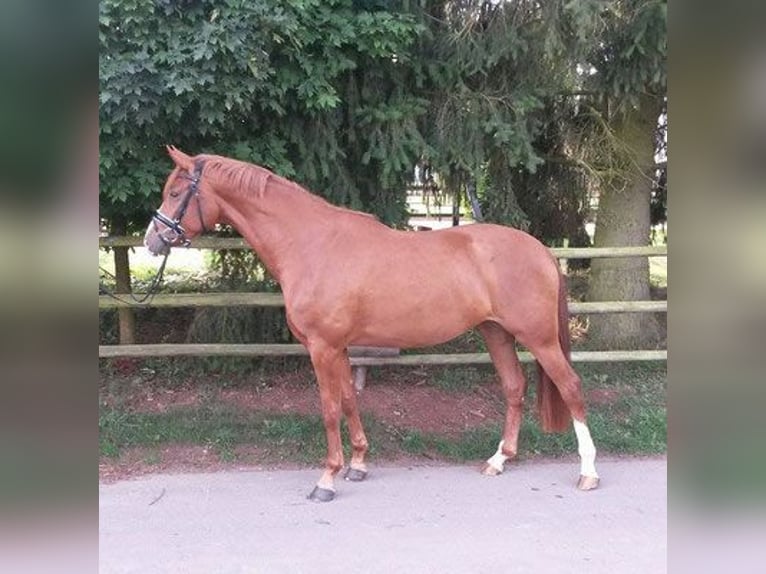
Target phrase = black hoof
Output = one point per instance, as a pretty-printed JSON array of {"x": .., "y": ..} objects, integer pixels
[
  {"x": 321, "y": 494},
  {"x": 355, "y": 475}
]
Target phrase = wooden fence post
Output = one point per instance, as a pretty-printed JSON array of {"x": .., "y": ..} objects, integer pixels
[
  {"x": 359, "y": 376},
  {"x": 127, "y": 319}
]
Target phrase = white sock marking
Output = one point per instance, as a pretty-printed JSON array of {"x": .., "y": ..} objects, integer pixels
[
  {"x": 498, "y": 459},
  {"x": 586, "y": 449}
]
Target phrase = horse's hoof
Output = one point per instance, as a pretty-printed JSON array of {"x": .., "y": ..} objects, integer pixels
[
  {"x": 489, "y": 470},
  {"x": 587, "y": 482},
  {"x": 355, "y": 474},
  {"x": 321, "y": 494}
]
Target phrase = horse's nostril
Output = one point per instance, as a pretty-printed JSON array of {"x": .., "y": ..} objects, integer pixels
[
  {"x": 161, "y": 248},
  {"x": 155, "y": 245}
]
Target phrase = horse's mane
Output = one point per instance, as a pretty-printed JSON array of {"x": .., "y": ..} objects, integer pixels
[
  {"x": 240, "y": 176},
  {"x": 251, "y": 179}
]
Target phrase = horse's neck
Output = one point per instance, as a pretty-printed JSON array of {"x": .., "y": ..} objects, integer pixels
[{"x": 276, "y": 223}]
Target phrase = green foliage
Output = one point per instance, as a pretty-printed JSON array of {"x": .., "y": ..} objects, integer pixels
[
  {"x": 239, "y": 325},
  {"x": 287, "y": 85},
  {"x": 346, "y": 96},
  {"x": 505, "y": 78},
  {"x": 624, "y": 75},
  {"x": 108, "y": 329},
  {"x": 630, "y": 60}
]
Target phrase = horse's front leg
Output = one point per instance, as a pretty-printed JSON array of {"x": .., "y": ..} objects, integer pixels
[
  {"x": 332, "y": 368},
  {"x": 357, "y": 469}
]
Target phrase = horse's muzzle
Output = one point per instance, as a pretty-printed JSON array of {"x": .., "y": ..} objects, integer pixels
[{"x": 154, "y": 242}]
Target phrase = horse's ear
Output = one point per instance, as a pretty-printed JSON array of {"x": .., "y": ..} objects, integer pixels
[{"x": 180, "y": 158}]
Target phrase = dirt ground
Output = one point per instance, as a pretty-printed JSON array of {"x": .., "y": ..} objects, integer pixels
[{"x": 398, "y": 399}]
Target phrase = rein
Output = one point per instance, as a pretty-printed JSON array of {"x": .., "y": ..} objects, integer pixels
[{"x": 144, "y": 299}]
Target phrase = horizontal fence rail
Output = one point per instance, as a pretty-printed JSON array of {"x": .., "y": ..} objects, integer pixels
[
  {"x": 276, "y": 300},
  {"x": 287, "y": 350},
  {"x": 360, "y": 358},
  {"x": 560, "y": 252}
]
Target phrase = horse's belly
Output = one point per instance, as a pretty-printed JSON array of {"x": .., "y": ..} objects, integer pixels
[{"x": 417, "y": 326}]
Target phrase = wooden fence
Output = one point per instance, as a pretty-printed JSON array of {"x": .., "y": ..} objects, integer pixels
[{"x": 363, "y": 357}]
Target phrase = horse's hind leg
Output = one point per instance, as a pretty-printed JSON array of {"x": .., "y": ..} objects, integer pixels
[
  {"x": 560, "y": 371},
  {"x": 501, "y": 348}
]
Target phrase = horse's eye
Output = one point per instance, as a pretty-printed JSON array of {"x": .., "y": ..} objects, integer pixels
[{"x": 173, "y": 194}]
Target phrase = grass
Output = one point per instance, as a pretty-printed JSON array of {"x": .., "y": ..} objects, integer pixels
[
  {"x": 219, "y": 428},
  {"x": 459, "y": 378},
  {"x": 633, "y": 423}
]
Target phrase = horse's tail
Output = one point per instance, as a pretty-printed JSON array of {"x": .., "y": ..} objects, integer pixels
[{"x": 553, "y": 411}]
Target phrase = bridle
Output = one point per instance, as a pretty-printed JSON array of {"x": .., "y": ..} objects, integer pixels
[{"x": 174, "y": 224}]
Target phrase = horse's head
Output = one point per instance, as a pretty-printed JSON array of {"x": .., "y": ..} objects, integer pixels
[{"x": 188, "y": 206}]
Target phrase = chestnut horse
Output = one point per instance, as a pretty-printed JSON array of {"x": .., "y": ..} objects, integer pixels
[{"x": 347, "y": 279}]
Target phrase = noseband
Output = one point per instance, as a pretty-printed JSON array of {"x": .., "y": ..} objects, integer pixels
[{"x": 174, "y": 224}]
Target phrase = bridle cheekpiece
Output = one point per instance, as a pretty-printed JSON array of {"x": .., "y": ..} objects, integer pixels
[{"x": 174, "y": 224}]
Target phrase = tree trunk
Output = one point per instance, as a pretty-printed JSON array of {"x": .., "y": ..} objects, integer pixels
[{"x": 623, "y": 219}]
